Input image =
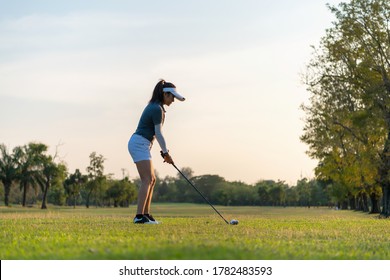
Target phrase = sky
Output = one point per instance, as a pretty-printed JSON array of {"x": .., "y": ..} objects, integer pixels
[{"x": 76, "y": 76}]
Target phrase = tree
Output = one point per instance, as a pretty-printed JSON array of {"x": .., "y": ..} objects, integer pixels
[
  {"x": 165, "y": 190},
  {"x": 73, "y": 185},
  {"x": 264, "y": 188},
  {"x": 206, "y": 184},
  {"x": 348, "y": 121},
  {"x": 52, "y": 173},
  {"x": 241, "y": 193},
  {"x": 8, "y": 171},
  {"x": 304, "y": 191},
  {"x": 292, "y": 197},
  {"x": 57, "y": 195},
  {"x": 187, "y": 171},
  {"x": 122, "y": 192},
  {"x": 96, "y": 176},
  {"x": 29, "y": 161},
  {"x": 278, "y": 194}
]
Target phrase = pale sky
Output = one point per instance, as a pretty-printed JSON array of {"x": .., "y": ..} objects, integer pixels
[{"x": 81, "y": 72}]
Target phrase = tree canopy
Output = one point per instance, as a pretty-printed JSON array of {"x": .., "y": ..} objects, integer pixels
[{"x": 347, "y": 125}]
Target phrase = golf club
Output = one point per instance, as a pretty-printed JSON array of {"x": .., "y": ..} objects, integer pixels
[{"x": 232, "y": 222}]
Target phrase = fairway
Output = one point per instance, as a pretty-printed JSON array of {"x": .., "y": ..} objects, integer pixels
[{"x": 190, "y": 231}]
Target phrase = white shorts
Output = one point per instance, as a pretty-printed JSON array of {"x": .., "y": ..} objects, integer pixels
[{"x": 139, "y": 148}]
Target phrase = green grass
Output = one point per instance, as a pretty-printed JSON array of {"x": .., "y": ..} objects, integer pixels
[{"x": 192, "y": 232}]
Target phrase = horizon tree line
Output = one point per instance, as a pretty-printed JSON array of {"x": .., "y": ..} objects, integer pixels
[{"x": 29, "y": 175}]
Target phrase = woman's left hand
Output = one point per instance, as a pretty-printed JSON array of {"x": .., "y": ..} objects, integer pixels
[{"x": 167, "y": 158}]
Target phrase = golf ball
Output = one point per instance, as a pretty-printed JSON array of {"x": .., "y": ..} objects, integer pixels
[{"x": 234, "y": 222}]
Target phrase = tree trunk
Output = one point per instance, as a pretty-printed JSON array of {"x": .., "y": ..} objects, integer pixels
[
  {"x": 375, "y": 204},
  {"x": 25, "y": 187},
  {"x": 7, "y": 189},
  {"x": 384, "y": 175},
  {"x": 386, "y": 201},
  {"x": 359, "y": 203},
  {"x": 365, "y": 203},
  {"x": 88, "y": 196},
  {"x": 352, "y": 203},
  {"x": 44, "y": 206},
  {"x": 344, "y": 205}
]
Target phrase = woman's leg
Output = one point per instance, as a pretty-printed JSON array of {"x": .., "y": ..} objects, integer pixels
[
  {"x": 148, "y": 179},
  {"x": 150, "y": 194}
]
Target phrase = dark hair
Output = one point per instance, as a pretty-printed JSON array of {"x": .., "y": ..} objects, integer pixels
[{"x": 158, "y": 94}]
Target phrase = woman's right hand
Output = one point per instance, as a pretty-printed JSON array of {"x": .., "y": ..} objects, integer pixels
[{"x": 168, "y": 159}]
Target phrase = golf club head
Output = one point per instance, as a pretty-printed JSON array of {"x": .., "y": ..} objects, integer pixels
[{"x": 234, "y": 222}]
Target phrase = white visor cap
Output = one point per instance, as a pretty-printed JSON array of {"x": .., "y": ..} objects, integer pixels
[{"x": 174, "y": 92}]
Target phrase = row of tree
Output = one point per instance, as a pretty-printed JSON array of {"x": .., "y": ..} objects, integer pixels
[
  {"x": 347, "y": 124},
  {"x": 222, "y": 192},
  {"x": 28, "y": 175}
]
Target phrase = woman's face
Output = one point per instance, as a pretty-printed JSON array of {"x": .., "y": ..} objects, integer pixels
[{"x": 168, "y": 98}]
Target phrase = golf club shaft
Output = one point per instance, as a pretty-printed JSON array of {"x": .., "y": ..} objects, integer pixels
[{"x": 181, "y": 173}]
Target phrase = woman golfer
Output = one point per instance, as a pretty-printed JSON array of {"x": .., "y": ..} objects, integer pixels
[{"x": 140, "y": 144}]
